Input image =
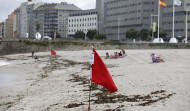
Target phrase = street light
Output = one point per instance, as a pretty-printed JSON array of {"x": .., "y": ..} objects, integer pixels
[
  {"x": 152, "y": 23},
  {"x": 66, "y": 32},
  {"x": 118, "y": 27},
  {"x": 186, "y": 26},
  {"x": 99, "y": 26}
]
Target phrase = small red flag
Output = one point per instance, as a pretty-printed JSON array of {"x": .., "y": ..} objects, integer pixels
[
  {"x": 100, "y": 74},
  {"x": 53, "y": 52}
]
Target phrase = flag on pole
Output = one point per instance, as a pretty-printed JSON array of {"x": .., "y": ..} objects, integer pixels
[
  {"x": 154, "y": 26},
  {"x": 53, "y": 52},
  {"x": 177, "y": 2},
  {"x": 162, "y": 3},
  {"x": 100, "y": 74}
]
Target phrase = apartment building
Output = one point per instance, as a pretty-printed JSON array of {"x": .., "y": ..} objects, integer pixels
[
  {"x": 8, "y": 27},
  {"x": 1, "y": 29},
  {"x": 182, "y": 17},
  {"x": 25, "y": 16},
  {"x": 16, "y": 23},
  {"x": 121, "y": 15},
  {"x": 82, "y": 21},
  {"x": 52, "y": 18},
  {"x": 23, "y": 20}
]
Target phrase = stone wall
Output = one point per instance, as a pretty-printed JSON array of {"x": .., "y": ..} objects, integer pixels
[{"x": 15, "y": 47}]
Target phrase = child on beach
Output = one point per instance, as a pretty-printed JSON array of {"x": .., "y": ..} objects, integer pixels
[{"x": 107, "y": 55}]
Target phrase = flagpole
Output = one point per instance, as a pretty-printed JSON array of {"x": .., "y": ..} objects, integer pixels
[
  {"x": 173, "y": 19},
  {"x": 90, "y": 84},
  {"x": 158, "y": 18},
  {"x": 186, "y": 27}
]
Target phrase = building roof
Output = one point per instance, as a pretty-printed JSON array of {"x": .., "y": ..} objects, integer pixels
[
  {"x": 83, "y": 12},
  {"x": 57, "y": 6}
]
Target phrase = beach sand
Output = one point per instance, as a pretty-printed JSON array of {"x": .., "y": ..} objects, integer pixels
[{"x": 61, "y": 83}]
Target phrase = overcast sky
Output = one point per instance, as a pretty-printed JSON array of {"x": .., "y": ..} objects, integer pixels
[{"x": 8, "y": 6}]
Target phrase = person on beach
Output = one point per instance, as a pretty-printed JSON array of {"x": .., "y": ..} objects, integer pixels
[
  {"x": 123, "y": 52},
  {"x": 107, "y": 55},
  {"x": 116, "y": 55},
  {"x": 120, "y": 54},
  {"x": 156, "y": 59},
  {"x": 32, "y": 54},
  {"x": 36, "y": 57}
]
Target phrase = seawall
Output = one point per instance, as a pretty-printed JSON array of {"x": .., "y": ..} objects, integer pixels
[{"x": 16, "y": 47}]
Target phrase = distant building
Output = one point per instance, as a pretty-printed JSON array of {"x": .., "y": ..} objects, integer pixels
[
  {"x": 52, "y": 18},
  {"x": 25, "y": 20},
  {"x": 121, "y": 15},
  {"x": 82, "y": 21},
  {"x": 180, "y": 18},
  {"x": 16, "y": 23},
  {"x": 1, "y": 29},
  {"x": 100, "y": 10},
  {"x": 8, "y": 29}
]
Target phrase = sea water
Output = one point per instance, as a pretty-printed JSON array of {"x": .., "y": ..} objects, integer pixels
[
  {"x": 7, "y": 79},
  {"x": 2, "y": 63}
]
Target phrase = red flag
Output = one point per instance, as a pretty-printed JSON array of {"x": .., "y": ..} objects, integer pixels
[
  {"x": 100, "y": 74},
  {"x": 53, "y": 52}
]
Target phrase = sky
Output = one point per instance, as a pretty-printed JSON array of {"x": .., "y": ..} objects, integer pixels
[{"x": 8, "y": 6}]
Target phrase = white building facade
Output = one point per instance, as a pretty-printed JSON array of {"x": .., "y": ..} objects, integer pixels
[{"x": 82, "y": 21}]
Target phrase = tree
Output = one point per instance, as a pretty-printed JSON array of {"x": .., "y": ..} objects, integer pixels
[
  {"x": 79, "y": 34},
  {"x": 91, "y": 33},
  {"x": 37, "y": 27},
  {"x": 163, "y": 34},
  {"x": 100, "y": 36},
  {"x": 131, "y": 33},
  {"x": 144, "y": 34}
]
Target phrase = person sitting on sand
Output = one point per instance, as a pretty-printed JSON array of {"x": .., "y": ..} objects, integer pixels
[
  {"x": 116, "y": 55},
  {"x": 123, "y": 52},
  {"x": 154, "y": 60},
  {"x": 107, "y": 55},
  {"x": 36, "y": 57},
  {"x": 120, "y": 54}
]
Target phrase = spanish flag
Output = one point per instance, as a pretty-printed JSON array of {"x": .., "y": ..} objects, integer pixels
[{"x": 162, "y": 3}]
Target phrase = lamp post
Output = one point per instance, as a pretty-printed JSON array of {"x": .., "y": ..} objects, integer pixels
[
  {"x": 66, "y": 30},
  {"x": 118, "y": 28},
  {"x": 99, "y": 26},
  {"x": 152, "y": 24},
  {"x": 186, "y": 26},
  {"x": 43, "y": 31}
]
